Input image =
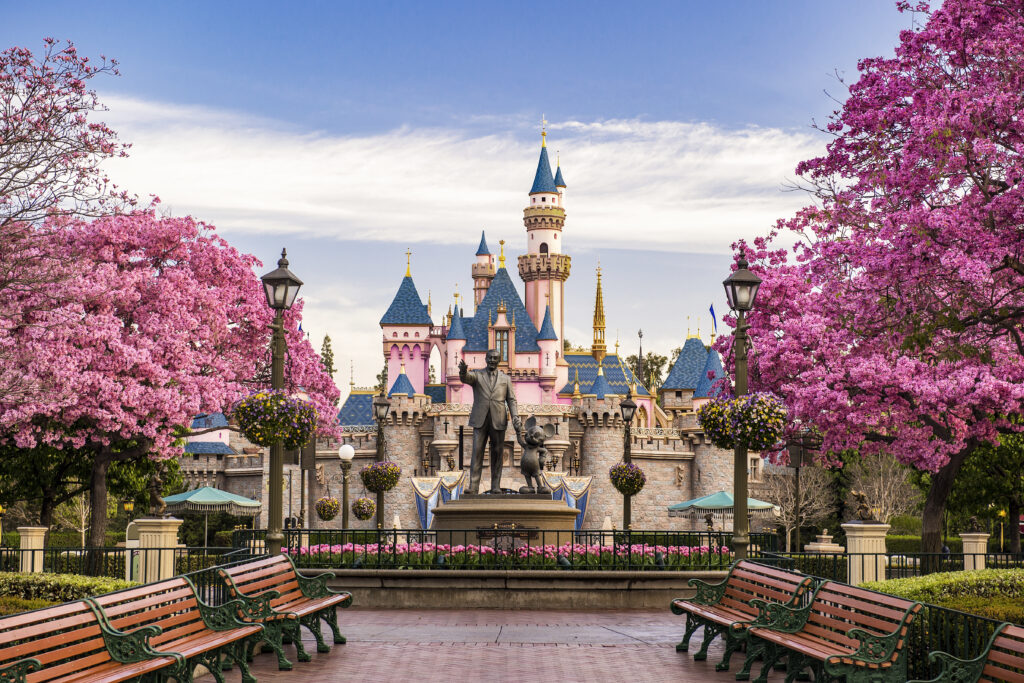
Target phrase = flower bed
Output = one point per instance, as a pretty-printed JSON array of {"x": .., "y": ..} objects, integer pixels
[{"x": 569, "y": 555}]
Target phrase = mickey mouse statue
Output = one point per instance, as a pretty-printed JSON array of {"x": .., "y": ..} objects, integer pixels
[{"x": 534, "y": 454}]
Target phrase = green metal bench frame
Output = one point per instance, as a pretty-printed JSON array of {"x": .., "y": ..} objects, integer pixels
[
  {"x": 283, "y": 625},
  {"x": 878, "y": 658},
  {"x": 956, "y": 670},
  {"x": 722, "y": 620}
]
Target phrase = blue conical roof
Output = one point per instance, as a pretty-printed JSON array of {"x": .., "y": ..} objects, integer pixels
[
  {"x": 482, "y": 250},
  {"x": 559, "y": 181},
  {"x": 456, "y": 331},
  {"x": 705, "y": 387},
  {"x": 543, "y": 182},
  {"x": 600, "y": 388},
  {"x": 686, "y": 371},
  {"x": 547, "y": 330},
  {"x": 402, "y": 385},
  {"x": 406, "y": 308}
]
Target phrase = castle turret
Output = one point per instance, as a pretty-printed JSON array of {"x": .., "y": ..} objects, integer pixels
[
  {"x": 544, "y": 268},
  {"x": 483, "y": 271},
  {"x": 547, "y": 340},
  {"x": 406, "y": 327},
  {"x": 599, "y": 349}
]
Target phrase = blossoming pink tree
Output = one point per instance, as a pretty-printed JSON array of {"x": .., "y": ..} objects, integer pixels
[
  {"x": 162, "y": 321},
  {"x": 894, "y": 323}
]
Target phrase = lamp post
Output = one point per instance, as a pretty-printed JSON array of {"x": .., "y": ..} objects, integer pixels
[
  {"x": 2, "y": 511},
  {"x": 806, "y": 440},
  {"x": 628, "y": 409},
  {"x": 129, "y": 508},
  {"x": 741, "y": 291},
  {"x": 281, "y": 287},
  {"x": 381, "y": 406},
  {"x": 345, "y": 453}
]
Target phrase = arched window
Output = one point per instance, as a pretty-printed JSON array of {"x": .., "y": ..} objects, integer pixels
[
  {"x": 543, "y": 247},
  {"x": 406, "y": 334}
]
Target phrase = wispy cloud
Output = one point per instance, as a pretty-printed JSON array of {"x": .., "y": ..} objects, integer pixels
[{"x": 688, "y": 187}]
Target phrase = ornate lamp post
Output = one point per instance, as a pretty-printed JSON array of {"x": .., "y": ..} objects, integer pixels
[
  {"x": 805, "y": 441},
  {"x": 345, "y": 453},
  {"x": 2, "y": 511},
  {"x": 129, "y": 508},
  {"x": 381, "y": 406},
  {"x": 741, "y": 291},
  {"x": 281, "y": 287},
  {"x": 628, "y": 409}
]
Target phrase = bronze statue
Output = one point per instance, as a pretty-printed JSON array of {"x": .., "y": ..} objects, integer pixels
[
  {"x": 974, "y": 525},
  {"x": 534, "y": 455},
  {"x": 492, "y": 394},
  {"x": 864, "y": 513}
]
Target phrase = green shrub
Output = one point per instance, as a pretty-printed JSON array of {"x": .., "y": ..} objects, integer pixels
[
  {"x": 57, "y": 587},
  {"x": 10, "y": 539},
  {"x": 62, "y": 539},
  {"x": 1000, "y": 609},
  {"x": 993, "y": 593},
  {"x": 11, "y": 605},
  {"x": 905, "y": 525},
  {"x": 222, "y": 539},
  {"x": 71, "y": 562},
  {"x": 912, "y": 544}
]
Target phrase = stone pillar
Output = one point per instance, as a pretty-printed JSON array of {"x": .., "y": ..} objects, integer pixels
[
  {"x": 32, "y": 538},
  {"x": 865, "y": 547},
  {"x": 975, "y": 547},
  {"x": 158, "y": 539},
  {"x": 403, "y": 446}
]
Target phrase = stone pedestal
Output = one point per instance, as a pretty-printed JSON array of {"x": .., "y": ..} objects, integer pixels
[
  {"x": 158, "y": 540},
  {"x": 823, "y": 544},
  {"x": 865, "y": 543},
  {"x": 975, "y": 547},
  {"x": 504, "y": 521},
  {"x": 32, "y": 538}
]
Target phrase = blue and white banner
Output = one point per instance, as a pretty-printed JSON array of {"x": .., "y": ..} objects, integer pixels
[
  {"x": 575, "y": 491},
  {"x": 431, "y": 491}
]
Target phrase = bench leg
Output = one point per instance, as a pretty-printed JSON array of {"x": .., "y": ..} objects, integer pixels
[
  {"x": 331, "y": 617},
  {"x": 312, "y": 623},
  {"x": 755, "y": 649},
  {"x": 239, "y": 653},
  {"x": 691, "y": 625},
  {"x": 732, "y": 643},
  {"x": 273, "y": 635},
  {"x": 772, "y": 655},
  {"x": 293, "y": 631},
  {"x": 710, "y": 631}
]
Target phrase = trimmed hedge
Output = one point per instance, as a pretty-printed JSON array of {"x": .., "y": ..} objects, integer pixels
[
  {"x": 912, "y": 544},
  {"x": 62, "y": 539},
  {"x": 57, "y": 587},
  {"x": 993, "y": 593},
  {"x": 9, "y": 605}
]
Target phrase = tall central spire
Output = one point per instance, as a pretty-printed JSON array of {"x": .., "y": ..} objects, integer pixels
[{"x": 598, "y": 349}]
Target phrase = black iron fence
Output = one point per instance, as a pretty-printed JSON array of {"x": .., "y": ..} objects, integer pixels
[{"x": 115, "y": 563}]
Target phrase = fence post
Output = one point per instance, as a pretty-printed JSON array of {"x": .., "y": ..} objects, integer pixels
[
  {"x": 865, "y": 547},
  {"x": 157, "y": 540},
  {"x": 32, "y": 538},
  {"x": 975, "y": 547}
]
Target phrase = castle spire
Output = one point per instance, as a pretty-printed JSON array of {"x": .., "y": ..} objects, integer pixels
[
  {"x": 598, "y": 349},
  {"x": 501, "y": 258},
  {"x": 408, "y": 263},
  {"x": 543, "y": 131}
]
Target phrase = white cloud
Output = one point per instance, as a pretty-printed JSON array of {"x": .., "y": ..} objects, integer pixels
[{"x": 688, "y": 187}]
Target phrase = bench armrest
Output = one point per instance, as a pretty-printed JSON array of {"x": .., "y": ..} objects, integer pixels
[
  {"x": 779, "y": 617},
  {"x": 707, "y": 593},
  {"x": 19, "y": 671},
  {"x": 955, "y": 669},
  {"x": 223, "y": 617},
  {"x": 128, "y": 647},
  {"x": 257, "y": 607}
]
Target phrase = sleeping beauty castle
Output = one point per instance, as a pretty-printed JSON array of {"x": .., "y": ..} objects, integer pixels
[{"x": 576, "y": 391}]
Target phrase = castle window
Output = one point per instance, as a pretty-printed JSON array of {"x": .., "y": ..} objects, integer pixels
[
  {"x": 679, "y": 394},
  {"x": 501, "y": 344},
  {"x": 543, "y": 199},
  {"x": 543, "y": 247},
  {"x": 405, "y": 334}
]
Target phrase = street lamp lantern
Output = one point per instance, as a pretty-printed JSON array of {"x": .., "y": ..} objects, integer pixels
[
  {"x": 129, "y": 506},
  {"x": 345, "y": 454},
  {"x": 741, "y": 287},
  {"x": 281, "y": 285},
  {"x": 628, "y": 407},
  {"x": 381, "y": 406},
  {"x": 628, "y": 410}
]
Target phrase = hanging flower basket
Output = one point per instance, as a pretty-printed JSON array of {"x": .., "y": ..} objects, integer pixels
[
  {"x": 364, "y": 508},
  {"x": 270, "y": 416},
  {"x": 627, "y": 478},
  {"x": 754, "y": 420},
  {"x": 327, "y": 508},
  {"x": 380, "y": 476}
]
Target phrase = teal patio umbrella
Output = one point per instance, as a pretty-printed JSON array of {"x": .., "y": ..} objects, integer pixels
[
  {"x": 719, "y": 504},
  {"x": 207, "y": 499}
]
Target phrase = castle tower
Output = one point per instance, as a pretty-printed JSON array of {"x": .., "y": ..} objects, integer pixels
[
  {"x": 544, "y": 268},
  {"x": 483, "y": 271},
  {"x": 547, "y": 340},
  {"x": 599, "y": 349},
  {"x": 406, "y": 334}
]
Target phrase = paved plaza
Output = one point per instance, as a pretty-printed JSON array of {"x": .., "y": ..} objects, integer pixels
[{"x": 497, "y": 645}]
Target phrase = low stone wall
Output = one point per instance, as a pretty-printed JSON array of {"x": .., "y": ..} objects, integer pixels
[{"x": 520, "y": 589}]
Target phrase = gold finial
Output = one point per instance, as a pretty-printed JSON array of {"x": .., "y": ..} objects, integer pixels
[
  {"x": 351, "y": 374},
  {"x": 428, "y": 303},
  {"x": 598, "y": 349},
  {"x": 543, "y": 131},
  {"x": 558, "y": 158},
  {"x": 513, "y": 318},
  {"x": 489, "y": 321},
  {"x": 576, "y": 385},
  {"x": 501, "y": 258},
  {"x": 688, "y": 335},
  {"x": 403, "y": 367},
  {"x": 408, "y": 263}
]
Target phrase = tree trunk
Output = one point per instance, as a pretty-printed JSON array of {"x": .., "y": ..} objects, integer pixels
[
  {"x": 1014, "y": 522},
  {"x": 789, "y": 538},
  {"x": 98, "y": 498},
  {"x": 935, "y": 502}
]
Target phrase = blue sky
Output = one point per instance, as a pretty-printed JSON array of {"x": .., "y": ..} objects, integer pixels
[{"x": 351, "y": 131}]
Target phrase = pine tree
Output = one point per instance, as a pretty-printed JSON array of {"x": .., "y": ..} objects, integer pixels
[{"x": 327, "y": 355}]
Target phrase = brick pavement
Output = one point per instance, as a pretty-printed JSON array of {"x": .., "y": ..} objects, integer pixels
[{"x": 498, "y": 646}]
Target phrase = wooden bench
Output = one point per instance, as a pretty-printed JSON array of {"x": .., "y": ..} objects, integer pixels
[
  {"x": 179, "y": 622},
  {"x": 724, "y": 608},
  {"x": 1002, "y": 660},
  {"x": 71, "y": 642},
  {"x": 844, "y": 632},
  {"x": 290, "y": 600}
]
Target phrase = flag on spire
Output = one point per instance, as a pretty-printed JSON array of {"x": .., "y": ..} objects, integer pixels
[{"x": 714, "y": 320}]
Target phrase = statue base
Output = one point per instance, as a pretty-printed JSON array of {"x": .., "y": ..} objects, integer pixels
[{"x": 505, "y": 521}]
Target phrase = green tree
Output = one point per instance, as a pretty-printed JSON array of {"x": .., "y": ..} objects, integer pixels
[
  {"x": 654, "y": 369},
  {"x": 327, "y": 355},
  {"x": 992, "y": 479},
  {"x": 382, "y": 379}
]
